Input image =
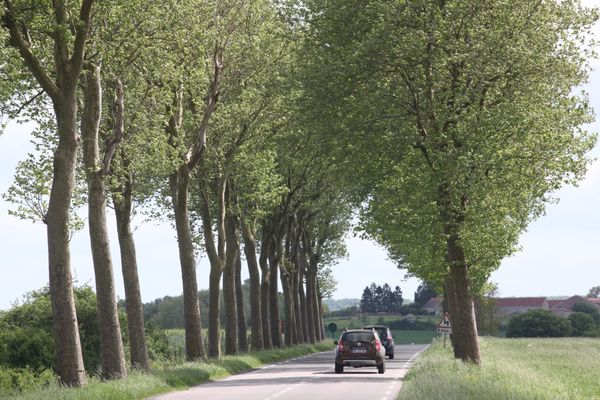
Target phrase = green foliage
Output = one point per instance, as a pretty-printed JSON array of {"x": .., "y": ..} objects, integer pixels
[
  {"x": 589, "y": 309},
  {"x": 452, "y": 129},
  {"x": 594, "y": 292},
  {"x": 581, "y": 323},
  {"x": 538, "y": 323},
  {"x": 27, "y": 339},
  {"x": 381, "y": 299},
  {"x": 13, "y": 381}
]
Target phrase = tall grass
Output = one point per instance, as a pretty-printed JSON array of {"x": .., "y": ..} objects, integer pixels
[
  {"x": 168, "y": 376},
  {"x": 523, "y": 369}
]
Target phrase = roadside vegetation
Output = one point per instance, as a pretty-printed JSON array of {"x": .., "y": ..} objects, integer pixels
[
  {"x": 164, "y": 376},
  {"x": 524, "y": 369}
]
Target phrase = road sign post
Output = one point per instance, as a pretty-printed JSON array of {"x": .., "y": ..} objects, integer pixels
[{"x": 445, "y": 326}]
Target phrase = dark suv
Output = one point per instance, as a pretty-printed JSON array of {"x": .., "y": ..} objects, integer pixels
[
  {"x": 359, "y": 348},
  {"x": 386, "y": 338}
]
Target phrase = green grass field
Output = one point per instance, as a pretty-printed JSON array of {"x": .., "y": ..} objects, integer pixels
[
  {"x": 400, "y": 336},
  {"x": 519, "y": 369},
  {"x": 168, "y": 376}
]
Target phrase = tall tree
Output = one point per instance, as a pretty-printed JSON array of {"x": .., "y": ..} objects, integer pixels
[
  {"x": 471, "y": 124},
  {"x": 113, "y": 358},
  {"x": 56, "y": 61}
]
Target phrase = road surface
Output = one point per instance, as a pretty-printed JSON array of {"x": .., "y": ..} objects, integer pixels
[{"x": 308, "y": 378}]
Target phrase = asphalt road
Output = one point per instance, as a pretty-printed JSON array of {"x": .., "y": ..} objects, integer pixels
[{"x": 308, "y": 378}]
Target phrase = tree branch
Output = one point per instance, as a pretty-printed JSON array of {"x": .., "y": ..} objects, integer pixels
[
  {"x": 32, "y": 62},
  {"x": 118, "y": 127},
  {"x": 81, "y": 36}
]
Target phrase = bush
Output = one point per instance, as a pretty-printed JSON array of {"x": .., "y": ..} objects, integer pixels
[
  {"x": 581, "y": 323},
  {"x": 587, "y": 309},
  {"x": 26, "y": 331},
  {"x": 13, "y": 381},
  {"x": 538, "y": 323}
]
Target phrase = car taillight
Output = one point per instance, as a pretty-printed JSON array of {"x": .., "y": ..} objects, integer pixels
[
  {"x": 340, "y": 346},
  {"x": 378, "y": 345}
]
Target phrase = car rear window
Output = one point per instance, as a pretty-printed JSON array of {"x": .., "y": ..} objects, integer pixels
[{"x": 358, "y": 337}]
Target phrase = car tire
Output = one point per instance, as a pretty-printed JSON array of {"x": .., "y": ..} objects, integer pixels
[
  {"x": 391, "y": 356},
  {"x": 381, "y": 368},
  {"x": 339, "y": 369}
]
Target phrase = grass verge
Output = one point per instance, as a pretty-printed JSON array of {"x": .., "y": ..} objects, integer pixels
[
  {"x": 167, "y": 377},
  {"x": 519, "y": 369}
]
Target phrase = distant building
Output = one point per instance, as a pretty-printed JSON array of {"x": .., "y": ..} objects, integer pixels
[
  {"x": 564, "y": 307},
  {"x": 433, "y": 306},
  {"x": 516, "y": 305}
]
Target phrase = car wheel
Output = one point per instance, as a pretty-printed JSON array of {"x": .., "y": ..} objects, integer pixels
[
  {"x": 391, "y": 356},
  {"x": 339, "y": 368},
  {"x": 381, "y": 368}
]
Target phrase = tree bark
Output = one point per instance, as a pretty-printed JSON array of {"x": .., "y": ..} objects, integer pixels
[
  {"x": 303, "y": 311},
  {"x": 320, "y": 313},
  {"x": 288, "y": 307},
  {"x": 62, "y": 89},
  {"x": 232, "y": 254},
  {"x": 179, "y": 184},
  {"x": 69, "y": 359},
  {"x": 122, "y": 200},
  {"x": 273, "y": 292},
  {"x": 239, "y": 297},
  {"x": 217, "y": 257},
  {"x": 257, "y": 342},
  {"x": 310, "y": 308},
  {"x": 264, "y": 290},
  {"x": 111, "y": 345},
  {"x": 464, "y": 325}
]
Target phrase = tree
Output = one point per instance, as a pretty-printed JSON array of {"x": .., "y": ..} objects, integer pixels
[
  {"x": 461, "y": 128},
  {"x": 594, "y": 292},
  {"x": 366, "y": 301},
  {"x": 423, "y": 294},
  {"x": 57, "y": 74}
]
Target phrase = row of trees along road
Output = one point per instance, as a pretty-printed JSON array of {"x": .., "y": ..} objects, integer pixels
[
  {"x": 179, "y": 108},
  {"x": 448, "y": 124}
]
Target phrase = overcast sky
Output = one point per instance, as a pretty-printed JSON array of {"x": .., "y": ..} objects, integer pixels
[{"x": 559, "y": 251}]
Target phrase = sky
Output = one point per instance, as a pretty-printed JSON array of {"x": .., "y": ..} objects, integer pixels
[{"x": 559, "y": 252}]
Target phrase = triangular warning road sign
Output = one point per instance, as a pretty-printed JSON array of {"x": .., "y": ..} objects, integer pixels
[{"x": 445, "y": 325}]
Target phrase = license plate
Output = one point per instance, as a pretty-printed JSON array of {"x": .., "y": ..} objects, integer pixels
[{"x": 359, "y": 350}]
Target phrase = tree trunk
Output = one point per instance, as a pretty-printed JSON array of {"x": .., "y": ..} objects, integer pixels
[
  {"x": 239, "y": 297},
  {"x": 320, "y": 313},
  {"x": 265, "y": 291},
  {"x": 179, "y": 183},
  {"x": 299, "y": 334},
  {"x": 122, "y": 200},
  {"x": 214, "y": 321},
  {"x": 255, "y": 303},
  {"x": 273, "y": 294},
  {"x": 464, "y": 326},
  {"x": 310, "y": 308},
  {"x": 288, "y": 306},
  {"x": 69, "y": 360},
  {"x": 303, "y": 310},
  {"x": 232, "y": 253},
  {"x": 111, "y": 345}
]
